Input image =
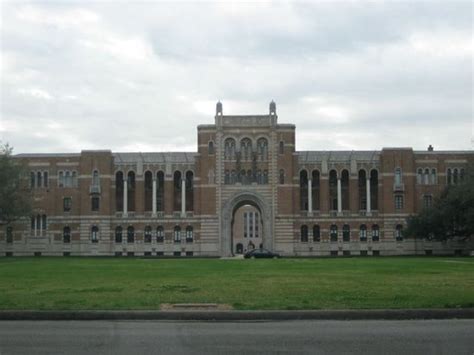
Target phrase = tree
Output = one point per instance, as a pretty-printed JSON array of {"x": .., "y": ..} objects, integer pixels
[
  {"x": 15, "y": 197},
  {"x": 451, "y": 216}
]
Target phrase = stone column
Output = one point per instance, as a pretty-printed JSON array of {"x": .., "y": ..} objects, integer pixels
[
  {"x": 367, "y": 188},
  {"x": 310, "y": 198},
  {"x": 153, "y": 198},
  {"x": 339, "y": 196},
  {"x": 125, "y": 197},
  {"x": 183, "y": 198}
]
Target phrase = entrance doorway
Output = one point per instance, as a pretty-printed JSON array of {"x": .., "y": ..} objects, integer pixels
[{"x": 247, "y": 229}]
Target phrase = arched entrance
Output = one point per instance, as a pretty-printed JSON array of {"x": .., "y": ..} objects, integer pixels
[{"x": 231, "y": 206}]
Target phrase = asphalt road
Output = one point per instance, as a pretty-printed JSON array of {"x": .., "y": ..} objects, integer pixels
[{"x": 287, "y": 337}]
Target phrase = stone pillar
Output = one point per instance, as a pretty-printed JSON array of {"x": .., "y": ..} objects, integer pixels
[
  {"x": 339, "y": 196},
  {"x": 310, "y": 198},
  {"x": 153, "y": 198},
  {"x": 183, "y": 198},
  {"x": 125, "y": 197},
  {"x": 367, "y": 188}
]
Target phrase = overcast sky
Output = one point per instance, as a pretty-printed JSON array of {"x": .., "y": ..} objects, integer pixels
[{"x": 141, "y": 77}]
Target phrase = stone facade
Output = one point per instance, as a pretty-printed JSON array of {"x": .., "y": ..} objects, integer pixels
[{"x": 311, "y": 203}]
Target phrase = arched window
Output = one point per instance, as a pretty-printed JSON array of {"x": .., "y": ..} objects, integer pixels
[
  {"x": 95, "y": 178},
  {"x": 177, "y": 234},
  {"x": 67, "y": 179},
  {"x": 233, "y": 177},
  {"x": 44, "y": 224},
  {"x": 250, "y": 178},
  {"x": 346, "y": 233},
  {"x": 243, "y": 177},
  {"x": 398, "y": 176},
  {"x": 95, "y": 234},
  {"x": 374, "y": 189},
  {"x": 189, "y": 191},
  {"x": 345, "y": 189},
  {"x": 363, "y": 233},
  {"x": 177, "y": 191},
  {"x": 119, "y": 191},
  {"x": 333, "y": 233},
  {"x": 375, "y": 233},
  {"x": 118, "y": 234},
  {"x": 419, "y": 176},
  {"x": 160, "y": 234},
  {"x": 130, "y": 234},
  {"x": 246, "y": 149},
  {"x": 426, "y": 177},
  {"x": 66, "y": 235},
  {"x": 210, "y": 148},
  {"x": 262, "y": 148},
  {"x": 9, "y": 234},
  {"x": 189, "y": 234},
  {"x": 315, "y": 190},
  {"x": 433, "y": 176},
  {"x": 265, "y": 177},
  {"x": 281, "y": 177},
  {"x": 304, "y": 233},
  {"x": 461, "y": 175},
  {"x": 449, "y": 177},
  {"x": 399, "y": 233},
  {"x": 281, "y": 147},
  {"x": 160, "y": 191},
  {"x": 39, "y": 179},
  {"x": 362, "y": 190},
  {"x": 333, "y": 190},
  {"x": 131, "y": 191},
  {"x": 45, "y": 179},
  {"x": 147, "y": 234},
  {"x": 316, "y": 233},
  {"x": 148, "y": 191},
  {"x": 303, "y": 190},
  {"x": 74, "y": 179},
  {"x": 455, "y": 176},
  {"x": 229, "y": 149}
]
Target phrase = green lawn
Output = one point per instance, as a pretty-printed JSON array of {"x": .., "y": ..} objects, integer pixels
[{"x": 129, "y": 283}]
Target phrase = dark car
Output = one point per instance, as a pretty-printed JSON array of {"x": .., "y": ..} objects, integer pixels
[{"x": 261, "y": 253}]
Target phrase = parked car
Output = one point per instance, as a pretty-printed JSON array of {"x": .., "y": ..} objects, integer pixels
[{"x": 261, "y": 253}]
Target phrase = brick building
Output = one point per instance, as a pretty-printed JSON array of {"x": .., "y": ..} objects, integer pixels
[{"x": 245, "y": 187}]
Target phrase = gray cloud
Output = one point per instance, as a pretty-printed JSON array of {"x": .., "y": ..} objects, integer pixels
[{"x": 350, "y": 75}]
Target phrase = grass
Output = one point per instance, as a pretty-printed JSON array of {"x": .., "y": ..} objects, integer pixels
[{"x": 129, "y": 283}]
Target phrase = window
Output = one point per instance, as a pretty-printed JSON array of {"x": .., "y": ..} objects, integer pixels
[
  {"x": 118, "y": 234},
  {"x": 419, "y": 176},
  {"x": 229, "y": 148},
  {"x": 67, "y": 179},
  {"x": 262, "y": 148},
  {"x": 246, "y": 149},
  {"x": 95, "y": 203},
  {"x": 227, "y": 177},
  {"x": 316, "y": 233},
  {"x": 66, "y": 234},
  {"x": 449, "y": 177},
  {"x": 67, "y": 204},
  {"x": 119, "y": 191},
  {"x": 44, "y": 222},
  {"x": 148, "y": 191},
  {"x": 399, "y": 233},
  {"x": 160, "y": 234},
  {"x": 177, "y": 182},
  {"x": 39, "y": 179},
  {"x": 95, "y": 178},
  {"x": 333, "y": 233},
  {"x": 398, "y": 202},
  {"x": 426, "y": 177},
  {"x": 304, "y": 233},
  {"x": 9, "y": 234},
  {"x": 398, "y": 176},
  {"x": 363, "y": 233},
  {"x": 131, "y": 185},
  {"x": 32, "y": 179},
  {"x": 265, "y": 177},
  {"x": 433, "y": 176},
  {"x": 45, "y": 179},
  {"x": 189, "y": 185},
  {"x": 95, "y": 234},
  {"x": 147, "y": 234},
  {"x": 130, "y": 234},
  {"x": 375, "y": 233},
  {"x": 210, "y": 148},
  {"x": 160, "y": 191},
  {"x": 281, "y": 147},
  {"x": 177, "y": 234},
  {"x": 346, "y": 233},
  {"x": 304, "y": 190},
  {"x": 427, "y": 201},
  {"x": 189, "y": 234}
]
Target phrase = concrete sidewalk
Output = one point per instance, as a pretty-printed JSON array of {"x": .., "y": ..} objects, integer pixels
[{"x": 203, "y": 315}]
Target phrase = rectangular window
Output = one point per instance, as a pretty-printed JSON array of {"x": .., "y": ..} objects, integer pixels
[
  {"x": 398, "y": 202},
  {"x": 95, "y": 203},
  {"x": 245, "y": 225},
  {"x": 67, "y": 204},
  {"x": 427, "y": 201}
]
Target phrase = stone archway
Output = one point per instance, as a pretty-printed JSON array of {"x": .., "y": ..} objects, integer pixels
[{"x": 233, "y": 204}]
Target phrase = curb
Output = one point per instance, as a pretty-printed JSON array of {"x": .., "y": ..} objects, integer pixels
[{"x": 382, "y": 314}]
